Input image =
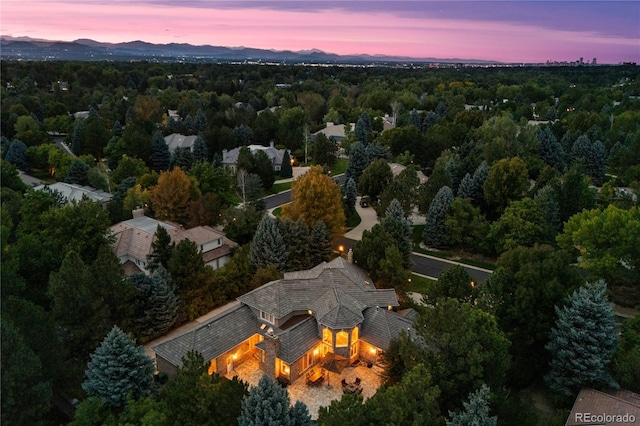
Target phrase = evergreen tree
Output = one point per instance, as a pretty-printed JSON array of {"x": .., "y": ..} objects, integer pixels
[
  {"x": 200, "y": 151},
  {"x": 430, "y": 119},
  {"x": 77, "y": 173},
  {"x": 597, "y": 163},
  {"x": 200, "y": 123},
  {"x": 583, "y": 342},
  {"x": 399, "y": 227},
  {"x": 363, "y": 128},
  {"x": 350, "y": 195},
  {"x": 161, "y": 249},
  {"x": 358, "y": 161},
  {"x": 297, "y": 239},
  {"x": 414, "y": 119},
  {"x": 550, "y": 150},
  {"x": 17, "y": 154},
  {"x": 479, "y": 177},
  {"x": 118, "y": 368},
  {"x": 267, "y": 247},
  {"x": 581, "y": 149},
  {"x": 286, "y": 171},
  {"x": 263, "y": 167},
  {"x": 320, "y": 246},
  {"x": 268, "y": 404},
  {"x": 117, "y": 129},
  {"x": 182, "y": 158},
  {"x": 453, "y": 169},
  {"x": 26, "y": 395},
  {"x": 163, "y": 301},
  {"x": 77, "y": 137},
  {"x": 160, "y": 155},
  {"x": 434, "y": 229},
  {"x": 476, "y": 411},
  {"x": 466, "y": 187}
]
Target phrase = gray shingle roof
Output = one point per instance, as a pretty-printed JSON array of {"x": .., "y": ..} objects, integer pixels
[
  {"x": 176, "y": 140},
  {"x": 381, "y": 326},
  {"x": 314, "y": 290},
  {"x": 212, "y": 338},
  {"x": 297, "y": 340}
]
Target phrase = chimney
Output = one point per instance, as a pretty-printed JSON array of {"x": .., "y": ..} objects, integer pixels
[
  {"x": 271, "y": 350},
  {"x": 137, "y": 212},
  {"x": 350, "y": 256}
]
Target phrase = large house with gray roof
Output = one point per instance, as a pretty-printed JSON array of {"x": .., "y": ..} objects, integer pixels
[
  {"x": 230, "y": 157},
  {"x": 292, "y": 324},
  {"x": 134, "y": 239}
]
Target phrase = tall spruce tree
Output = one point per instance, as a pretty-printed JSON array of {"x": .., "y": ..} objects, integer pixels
[
  {"x": 268, "y": 247},
  {"x": 268, "y": 404},
  {"x": 479, "y": 176},
  {"x": 475, "y": 412},
  {"x": 17, "y": 154},
  {"x": 320, "y": 246},
  {"x": 117, "y": 369},
  {"x": 160, "y": 155},
  {"x": 297, "y": 239},
  {"x": 466, "y": 187},
  {"x": 286, "y": 171},
  {"x": 350, "y": 195},
  {"x": 163, "y": 302},
  {"x": 434, "y": 229},
  {"x": 583, "y": 342},
  {"x": 161, "y": 249},
  {"x": 200, "y": 151},
  {"x": 358, "y": 161},
  {"x": 550, "y": 150},
  {"x": 399, "y": 227}
]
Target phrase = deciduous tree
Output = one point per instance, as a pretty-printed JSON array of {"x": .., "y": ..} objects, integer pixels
[
  {"x": 375, "y": 178},
  {"x": 172, "y": 194},
  {"x": 315, "y": 196},
  {"x": 507, "y": 181}
]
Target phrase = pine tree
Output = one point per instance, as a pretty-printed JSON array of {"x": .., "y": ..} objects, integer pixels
[
  {"x": 267, "y": 247},
  {"x": 118, "y": 368},
  {"x": 551, "y": 150},
  {"x": 358, "y": 161},
  {"x": 414, "y": 119},
  {"x": 320, "y": 246},
  {"x": 77, "y": 137},
  {"x": 200, "y": 123},
  {"x": 268, "y": 404},
  {"x": 453, "y": 169},
  {"x": 161, "y": 249},
  {"x": 399, "y": 227},
  {"x": 583, "y": 342},
  {"x": 77, "y": 173},
  {"x": 479, "y": 176},
  {"x": 350, "y": 194},
  {"x": 597, "y": 162},
  {"x": 163, "y": 303},
  {"x": 17, "y": 154},
  {"x": 200, "y": 151},
  {"x": 434, "y": 228},
  {"x": 182, "y": 158},
  {"x": 160, "y": 155},
  {"x": 476, "y": 411},
  {"x": 465, "y": 189},
  {"x": 430, "y": 119},
  {"x": 286, "y": 171},
  {"x": 297, "y": 239}
]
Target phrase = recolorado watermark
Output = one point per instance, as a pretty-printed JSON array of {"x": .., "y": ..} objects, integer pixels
[{"x": 604, "y": 418}]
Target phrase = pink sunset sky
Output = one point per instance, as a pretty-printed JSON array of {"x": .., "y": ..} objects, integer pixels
[{"x": 508, "y": 31}]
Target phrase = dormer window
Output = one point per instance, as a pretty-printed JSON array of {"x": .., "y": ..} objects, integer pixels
[{"x": 267, "y": 317}]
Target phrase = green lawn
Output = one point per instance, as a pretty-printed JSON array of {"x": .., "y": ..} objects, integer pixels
[
  {"x": 279, "y": 187},
  {"x": 416, "y": 237},
  {"x": 420, "y": 284},
  {"x": 277, "y": 211},
  {"x": 340, "y": 166}
]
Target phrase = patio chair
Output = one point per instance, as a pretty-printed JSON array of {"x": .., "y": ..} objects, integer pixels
[
  {"x": 344, "y": 382},
  {"x": 357, "y": 382}
]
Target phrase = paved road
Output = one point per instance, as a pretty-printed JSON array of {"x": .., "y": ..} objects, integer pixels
[
  {"x": 276, "y": 200},
  {"x": 428, "y": 266}
]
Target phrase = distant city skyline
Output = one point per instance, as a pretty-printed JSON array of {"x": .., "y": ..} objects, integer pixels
[{"x": 505, "y": 31}]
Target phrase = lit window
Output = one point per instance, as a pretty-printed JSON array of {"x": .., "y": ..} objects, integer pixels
[
  {"x": 267, "y": 317},
  {"x": 327, "y": 336},
  {"x": 342, "y": 339},
  {"x": 354, "y": 335}
]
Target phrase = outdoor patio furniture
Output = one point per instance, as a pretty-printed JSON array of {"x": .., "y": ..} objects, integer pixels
[
  {"x": 352, "y": 388},
  {"x": 315, "y": 377},
  {"x": 344, "y": 382},
  {"x": 357, "y": 382}
]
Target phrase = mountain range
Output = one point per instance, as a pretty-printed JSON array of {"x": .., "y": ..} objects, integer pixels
[{"x": 26, "y": 48}]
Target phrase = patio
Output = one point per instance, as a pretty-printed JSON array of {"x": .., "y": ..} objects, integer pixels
[{"x": 315, "y": 396}]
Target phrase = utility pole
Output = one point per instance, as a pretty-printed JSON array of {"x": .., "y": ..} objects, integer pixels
[{"x": 306, "y": 139}]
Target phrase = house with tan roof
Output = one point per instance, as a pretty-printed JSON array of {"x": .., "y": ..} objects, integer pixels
[
  {"x": 613, "y": 407},
  {"x": 134, "y": 239},
  {"x": 332, "y": 311}
]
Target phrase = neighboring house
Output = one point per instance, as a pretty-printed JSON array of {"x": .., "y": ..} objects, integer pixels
[
  {"x": 615, "y": 407},
  {"x": 176, "y": 140},
  {"x": 134, "y": 237},
  {"x": 74, "y": 193},
  {"x": 292, "y": 324},
  {"x": 332, "y": 131},
  {"x": 230, "y": 157},
  {"x": 173, "y": 114},
  {"x": 388, "y": 122}
]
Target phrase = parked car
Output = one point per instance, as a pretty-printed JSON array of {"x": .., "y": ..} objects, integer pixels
[{"x": 364, "y": 202}]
